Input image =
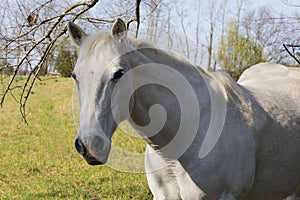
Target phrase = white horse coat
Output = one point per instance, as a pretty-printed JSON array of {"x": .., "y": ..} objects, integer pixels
[
  {"x": 256, "y": 155},
  {"x": 271, "y": 112}
]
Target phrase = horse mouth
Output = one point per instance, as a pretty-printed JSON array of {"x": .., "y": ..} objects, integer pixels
[
  {"x": 94, "y": 162},
  {"x": 91, "y": 160},
  {"x": 82, "y": 150}
]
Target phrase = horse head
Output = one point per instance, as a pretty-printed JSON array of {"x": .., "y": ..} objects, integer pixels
[{"x": 98, "y": 69}]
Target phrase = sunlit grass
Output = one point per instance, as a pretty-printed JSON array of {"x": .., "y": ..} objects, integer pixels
[{"x": 39, "y": 161}]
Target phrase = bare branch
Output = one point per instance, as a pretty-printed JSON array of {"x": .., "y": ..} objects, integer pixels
[
  {"x": 24, "y": 45},
  {"x": 97, "y": 20},
  {"x": 293, "y": 49},
  {"x": 136, "y": 19},
  {"x": 29, "y": 38},
  {"x": 287, "y": 2}
]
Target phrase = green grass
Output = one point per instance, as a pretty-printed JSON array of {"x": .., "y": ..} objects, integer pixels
[{"x": 39, "y": 161}]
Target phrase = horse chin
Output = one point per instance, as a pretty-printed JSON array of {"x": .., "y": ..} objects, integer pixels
[
  {"x": 94, "y": 161},
  {"x": 96, "y": 152}
]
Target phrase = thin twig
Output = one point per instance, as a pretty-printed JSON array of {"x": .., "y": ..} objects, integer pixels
[
  {"x": 29, "y": 46},
  {"x": 97, "y": 20},
  {"x": 291, "y": 54},
  {"x": 136, "y": 19},
  {"x": 137, "y": 13}
]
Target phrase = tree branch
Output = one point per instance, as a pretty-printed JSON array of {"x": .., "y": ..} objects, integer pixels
[
  {"x": 28, "y": 38},
  {"x": 136, "y": 19},
  {"x": 290, "y": 53},
  {"x": 54, "y": 30}
]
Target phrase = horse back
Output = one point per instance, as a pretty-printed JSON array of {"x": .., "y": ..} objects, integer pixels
[
  {"x": 276, "y": 90},
  {"x": 273, "y": 79}
]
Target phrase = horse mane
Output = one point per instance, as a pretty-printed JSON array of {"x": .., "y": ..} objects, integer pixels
[
  {"x": 226, "y": 84},
  {"x": 139, "y": 43},
  {"x": 229, "y": 88}
]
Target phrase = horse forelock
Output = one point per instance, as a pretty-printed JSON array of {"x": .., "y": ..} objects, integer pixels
[{"x": 92, "y": 42}]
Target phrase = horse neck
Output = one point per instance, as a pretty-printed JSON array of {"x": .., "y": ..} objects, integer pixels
[{"x": 163, "y": 121}]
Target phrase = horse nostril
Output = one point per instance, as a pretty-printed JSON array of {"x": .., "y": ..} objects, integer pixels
[{"x": 79, "y": 146}]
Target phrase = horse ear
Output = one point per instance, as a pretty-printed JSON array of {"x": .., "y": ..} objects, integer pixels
[
  {"x": 119, "y": 30},
  {"x": 76, "y": 33}
]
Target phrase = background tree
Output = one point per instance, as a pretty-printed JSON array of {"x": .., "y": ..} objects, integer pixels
[
  {"x": 66, "y": 58},
  {"x": 215, "y": 7},
  {"x": 237, "y": 52},
  {"x": 5, "y": 67},
  {"x": 30, "y": 30},
  {"x": 271, "y": 32}
]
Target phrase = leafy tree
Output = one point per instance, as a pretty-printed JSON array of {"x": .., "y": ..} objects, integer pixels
[
  {"x": 236, "y": 52},
  {"x": 66, "y": 58},
  {"x": 5, "y": 67}
]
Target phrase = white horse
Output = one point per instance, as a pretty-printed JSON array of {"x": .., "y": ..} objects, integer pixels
[{"x": 208, "y": 137}]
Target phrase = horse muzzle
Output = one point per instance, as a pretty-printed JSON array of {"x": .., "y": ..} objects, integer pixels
[{"x": 94, "y": 150}]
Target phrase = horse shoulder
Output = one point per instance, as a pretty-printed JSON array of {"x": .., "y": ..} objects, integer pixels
[
  {"x": 229, "y": 169},
  {"x": 160, "y": 177},
  {"x": 168, "y": 179}
]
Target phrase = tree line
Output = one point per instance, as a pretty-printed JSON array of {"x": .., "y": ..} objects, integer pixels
[
  {"x": 227, "y": 38},
  {"x": 215, "y": 34}
]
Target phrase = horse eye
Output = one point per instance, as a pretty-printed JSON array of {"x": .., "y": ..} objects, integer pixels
[
  {"x": 73, "y": 75},
  {"x": 118, "y": 74}
]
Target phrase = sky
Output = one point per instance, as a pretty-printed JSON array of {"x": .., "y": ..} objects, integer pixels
[
  {"x": 278, "y": 6},
  {"x": 285, "y": 8}
]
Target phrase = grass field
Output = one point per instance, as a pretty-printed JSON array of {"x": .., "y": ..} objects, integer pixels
[{"x": 39, "y": 161}]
